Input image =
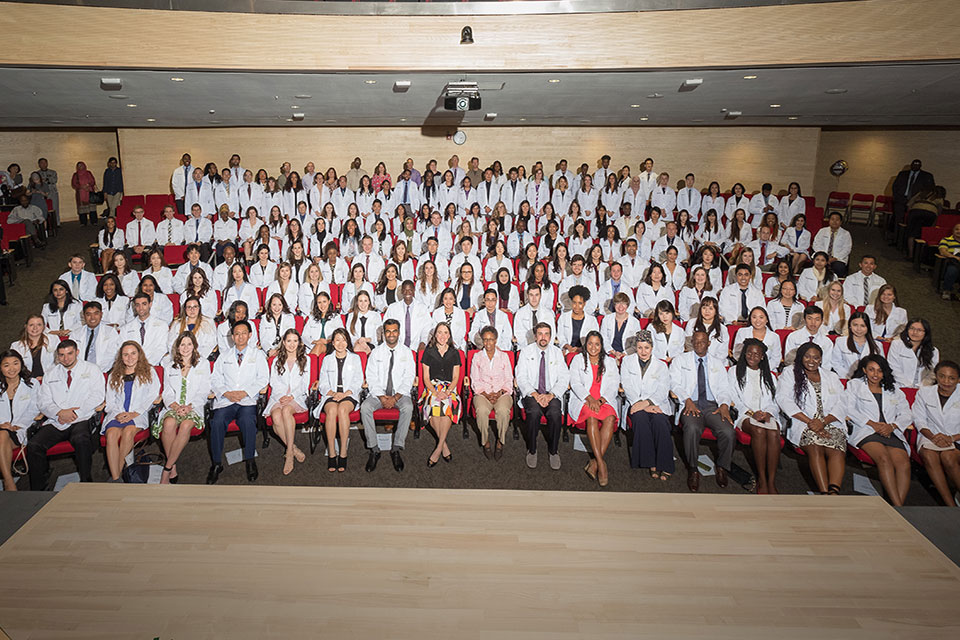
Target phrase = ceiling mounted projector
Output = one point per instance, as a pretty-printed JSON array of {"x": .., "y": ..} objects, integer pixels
[{"x": 461, "y": 96}]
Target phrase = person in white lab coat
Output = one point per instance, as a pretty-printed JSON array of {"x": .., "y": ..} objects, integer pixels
[
  {"x": 186, "y": 385},
  {"x": 815, "y": 400},
  {"x": 36, "y": 347},
  {"x": 289, "y": 386},
  {"x": 912, "y": 356},
  {"x": 836, "y": 242},
  {"x": 936, "y": 416},
  {"x": 200, "y": 190},
  {"x": 646, "y": 384},
  {"x": 490, "y": 315},
  {"x": 594, "y": 385},
  {"x": 70, "y": 394},
  {"x": 762, "y": 204},
  {"x": 887, "y": 317},
  {"x": 18, "y": 409},
  {"x": 791, "y": 205},
  {"x": 132, "y": 389},
  {"x": 179, "y": 179},
  {"x": 538, "y": 192},
  {"x": 877, "y": 416},
  {"x": 97, "y": 342},
  {"x": 796, "y": 238},
  {"x": 542, "y": 379},
  {"x": 61, "y": 311},
  {"x": 339, "y": 385},
  {"x": 146, "y": 330},
  {"x": 753, "y": 394},
  {"x": 574, "y": 325}
]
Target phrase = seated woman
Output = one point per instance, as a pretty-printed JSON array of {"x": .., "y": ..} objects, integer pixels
[
  {"x": 440, "y": 401},
  {"x": 289, "y": 386},
  {"x": 815, "y": 277},
  {"x": 186, "y": 385},
  {"x": 782, "y": 272},
  {"x": 574, "y": 325},
  {"x": 388, "y": 288},
  {"x": 363, "y": 323},
  {"x": 797, "y": 239},
  {"x": 321, "y": 323},
  {"x": 887, "y": 317},
  {"x": 497, "y": 260},
  {"x": 239, "y": 289},
  {"x": 339, "y": 384},
  {"x": 115, "y": 305},
  {"x": 913, "y": 357},
  {"x": 451, "y": 315},
  {"x": 61, "y": 312},
  {"x": 192, "y": 321},
  {"x": 646, "y": 383},
  {"x": 754, "y": 396},
  {"x": 786, "y": 312},
  {"x": 508, "y": 298},
  {"x": 132, "y": 388},
  {"x": 697, "y": 287},
  {"x": 878, "y": 413},
  {"x": 815, "y": 399},
  {"x": 857, "y": 343},
  {"x": 356, "y": 284},
  {"x": 313, "y": 283},
  {"x": 618, "y": 327},
  {"x": 129, "y": 279},
  {"x": 200, "y": 287},
  {"x": 274, "y": 321},
  {"x": 668, "y": 338},
  {"x": 156, "y": 268},
  {"x": 160, "y": 305},
  {"x": 38, "y": 350},
  {"x": 429, "y": 286},
  {"x": 594, "y": 383},
  {"x": 761, "y": 330},
  {"x": 708, "y": 321},
  {"x": 936, "y": 415},
  {"x": 18, "y": 409},
  {"x": 836, "y": 310}
]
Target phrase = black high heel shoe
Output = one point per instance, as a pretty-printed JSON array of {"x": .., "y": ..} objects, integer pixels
[
  {"x": 432, "y": 463},
  {"x": 173, "y": 480},
  {"x": 332, "y": 463},
  {"x": 341, "y": 464},
  {"x": 447, "y": 458}
]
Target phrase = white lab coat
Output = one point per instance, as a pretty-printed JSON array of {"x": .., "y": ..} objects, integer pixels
[
  {"x": 833, "y": 396},
  {"x": 565, "y": 328},
  {"x": 647, "y": 298},
  {"x": 378, "y": 365},
  {"x": 683, "y": 378},
  {"x": 155, "y": 342},
  {"x": 271, "y": 334},
  {"x": 754, "y": 396},
  {"x": 733, "y": 203},
  {"x": 84, "y": 395},
  {"x": 719, "y": 345},
  {"x": 501, "y": 323},
  {"x": 770, "y": 339},
  {"x": 709, "y": 202},
  {"x": 512, "y": 194},
  {"x": 178, "y": 180},
  {"x": 654, "y": 385},
  {"x": 357, "y": 329},
  {"x": 106, "y": 347},
  {"x": 562, "y": 200},
  {"x": 528, "y": 370},
  {"x": 249, "y": 195},
  {"x": 147, "y": 232},
  {"x": 248, "y": 294},
  {"x": 352, "y": 378},
  {"x": 142, "y": 397},
  {"x": 787, "y": 210},
  {"x": 581, "y": 380},
  {"x": 87, "y": 285},
  {"x": 458, "y": 324},
  {"x": 23, "y": 410},
  {"x": 250, "y": 377},
  {"x": 106, "y": 240},
  {"x": 198, "y": 230},
  {"x": 609, "y": 326},
  {"x": 666, "y": 199},
  {"x": 291, "y": 296},
  {"x": 801, "y": 335},
  {"x": 842, "y": 243},
  {"x": 757, "y": 203},
  {"x": 844, "y": 361},
  {"x": 906, "y": 367},
  {"x": 202, "y": 195},
  {"x": 198, "y": 385},
  {"x": 206, "y": 337},
  {"x": 889, "y": 328},
  {"x": 605, "y": 297},
  {"x": 488, "y": 195},
  {"x": 862, "y": 406},
  {"x": 928, "y": 414},
  {"x": 781, "y": 319},
  {"x": 523, "y": 323},
  {"x": 853, "y": 288},
  {"x": 420, "y": 321},
  {"x": 48, "y": 355},
  {"x": 184, "y": 271},
  {"x": 292, "y": 382},
  {"x": 71, "y": 317},
  {"x": 796, "y": 243},
  {"x": 667, "y": 346},
  {"x": 538, "y": 195},
  {"x": 730, "y": 301}
]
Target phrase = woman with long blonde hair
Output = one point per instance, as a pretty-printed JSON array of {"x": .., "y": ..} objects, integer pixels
[{"x": 132, "y": 388}]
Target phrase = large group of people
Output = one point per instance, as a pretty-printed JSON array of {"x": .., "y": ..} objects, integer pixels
[{"x": 598, "y": 301}]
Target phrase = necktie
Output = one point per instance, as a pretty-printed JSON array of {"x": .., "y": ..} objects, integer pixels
[
  {"x": 535, "y": 323},
  {"x": 909, "y": 184},
  {"x": 366, "y": 266},
  {"x": 763, "y": 253},
  {"x": 596, "y": 274},
  {"x": 75, "y": 289},
  {"x": 69, "y": 378},
  {"x": 143, "y": 331},
  {"x": 406, "y": 192},
  {"x": 197, "y": 231},
  {"x": 249, "y": 191},
  {"x": 406, "y": 334},
  {"x": 701, "y": 384},
  {"x": 390, "y": 391},
  {"x": 239, "y": 358},
  {"x": 86, "y": 352},
  {"x": 493, "y": 322},
  {"x": 186, "y": 174},
  {"x": 866, "y": 290},
  {"x": 811, "y": 338},
  {"x": 363, "y": 327},
  {"x": 744, "y": 310},
  {"x": 689, "y": 197},
  {"x": 110, "y": 240},
  {"x": 542, "y": 380},
  {"x": 833, "y": 235},
  {"x": 169, "y": 231},
  {"x": 139, "y": 238}
]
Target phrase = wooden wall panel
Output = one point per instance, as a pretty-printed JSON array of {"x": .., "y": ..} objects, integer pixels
[
  {"x": 751, "y": 155},
  {"x": 63, "y": 149},
  {"x": 876, "y": 156},
  {"x": 869, "y": 30}
]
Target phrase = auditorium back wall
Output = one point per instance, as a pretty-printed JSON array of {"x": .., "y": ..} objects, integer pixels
[{"x": 752, "y": 155}]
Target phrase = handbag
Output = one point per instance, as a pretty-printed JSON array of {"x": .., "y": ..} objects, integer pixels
[
  {"x": 96, "y": 197},
  {"x": 139, "y": 471}
]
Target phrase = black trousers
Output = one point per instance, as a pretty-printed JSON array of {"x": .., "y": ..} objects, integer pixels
[
  {"x": 554, "y": 415},
  {"x": 48, "y": 435}
]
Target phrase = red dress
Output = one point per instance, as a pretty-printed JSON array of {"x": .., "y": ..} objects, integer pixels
[{"x": 606, "y": 411}]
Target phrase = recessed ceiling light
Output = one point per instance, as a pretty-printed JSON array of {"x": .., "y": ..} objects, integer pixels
[
  {"x": 523, "y": 119},
  {"x": 553, "y": 80},
  {"x": 56, "y": 121},
  {"x": 634, "y": 106},
  {"x": 403, "y": 119},
  {"x": 370, "y": 81},
  {"x": 329, "y": 120},
  {"x": 793, "y": 117},
  {"x": 118, "y": 96},
  {"x": 749, "y": 77},
  {"x": 176, "y": 79},
  {"x": 151, "y": 119},
  {"x": 131, "y": 105},
  {"x": 774, "y": 106},
  {"x": 212, "y": 111},
  {"x": 214, "y": 122},
  {"x": 289, "y": 119},
  {"x": 835, "y": 92},
  {"x": 303, "y": 97},
  {"x": 655, "y": 95},
  {"x": 644, "y": 119},
  {"x": 294, "y": 106}
]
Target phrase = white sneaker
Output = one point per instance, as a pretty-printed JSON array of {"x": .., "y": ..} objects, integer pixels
[
  {"x": 555, "y": 461},
  {"x": 532, "y": 460}
]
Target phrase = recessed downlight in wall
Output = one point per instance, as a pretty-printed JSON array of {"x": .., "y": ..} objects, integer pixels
[
  {"x": 835, "y": 92},
  {"x": 793, "y": 117},
  {"x": 749, "y": 77},
  {"x": 214, "y": 122},
  {"x": 644, "y": 119},
  {"x": 176, "y": 79},
  {"x": 294, "y": 106},
  {"x": 303, "y": 96},
  {"x": 56, "y": 122},
  {"x": 775, "y": 106},
  {"x": 212, "y": 111},
  {"x": 523, "y": 119},
  {"x": 151, "y": 119},
  {"x": 403, "y": 119},
  {"x": 370, "y": 82},
  {"x": 634, "y": 106},
  {"x": 131, "y": 105}
]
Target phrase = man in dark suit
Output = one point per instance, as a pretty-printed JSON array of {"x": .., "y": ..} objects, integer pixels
[{"x": 907, "y": 184}]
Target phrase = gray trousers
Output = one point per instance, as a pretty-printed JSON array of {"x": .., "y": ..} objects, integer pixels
[
  {"x": 371, "y": 404},
  {"x": 693, "y": 430}
]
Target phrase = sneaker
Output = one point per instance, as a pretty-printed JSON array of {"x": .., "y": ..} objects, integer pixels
[
  {"x": 555, "y": 461},
  {"x": 532, "y": 460},
  {"x": 946, "y": 295}
]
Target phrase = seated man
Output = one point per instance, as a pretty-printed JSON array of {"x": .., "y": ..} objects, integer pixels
[
  {"x": 700, "y": 383},
  {"x": 491, "y": 316},
  {"x": 530, "y": 315},
  {"x": 198, "y": 231},
  {"x": 391, "y": 374},
  {"x": 239, "y": 375},
  {"x": 222, "y": 272},
  {"x": 146, "y": 330},
  {"x": 860, "y": 288},
  {"x": 414, "y": 318},
  {"x": 97, "y": 343},
  {"x": 669, "y": 239},
  {"x": 183, "y": 272},
  {"x": 738, "y": 298},
  {"x": 616, "y": 284},
  {"x": 225, "y": 232},
  {"x": 766, "y": 250},
  {"x": 518, "y": 240},
  {"x": 542, "y": 378},
  {"x": 836, "y": 242},
  {"x": 32, "y": 219},
  {"x": 140, "y": 233},
  {"x": 812, "y": 330},
  {"x": 949, "y": 248},
  {"x": 169, "y": 231},
  {"x": 492, "y": 384},
  {"x": 762, "y": 204},
  {"x": 69, "y": 396},
  {"x": 83, "y": 284}
]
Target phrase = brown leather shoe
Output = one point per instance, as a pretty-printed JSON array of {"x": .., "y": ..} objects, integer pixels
[
  {"x": 693, "y": 481},
  {"x": 721, "y": 477}
]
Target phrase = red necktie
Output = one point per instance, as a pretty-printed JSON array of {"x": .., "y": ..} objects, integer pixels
[
  {"x": 139, "y": 239},
  {"x": 763, "y": 253},
  {"x": 249, "y": 191},
  {"x": 69, "y": 378}
]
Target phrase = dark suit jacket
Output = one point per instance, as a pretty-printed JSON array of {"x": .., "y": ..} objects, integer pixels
[{"x": 924, "y": 180}]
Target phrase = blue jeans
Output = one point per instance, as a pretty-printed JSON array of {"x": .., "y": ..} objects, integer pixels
[
  {"x": 246, "y": 419},
  {"x": 951, "y": 271}
]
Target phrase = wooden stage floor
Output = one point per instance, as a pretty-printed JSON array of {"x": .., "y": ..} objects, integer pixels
[{"x": 182, "y": 562}]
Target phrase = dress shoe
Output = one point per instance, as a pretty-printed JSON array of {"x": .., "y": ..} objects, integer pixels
[
  {"x": 498, "y": 451},
  {"x": 693, "y": 481},
  {"x": 397, "y": 460},
  {"x": 487, "y": 451},
  {"x": 214, "y": 474},
  {"x": 372, "y": 461},
  {"x": 252, "y": 472},
  {"x": 722, "y": 477}
]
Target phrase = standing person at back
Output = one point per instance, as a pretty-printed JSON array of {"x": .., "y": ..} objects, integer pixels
[
  {"x": 907, "y": 184},
  {"x": 113, "y": 186},
  {"x": 179, "y": 179},
  {"x": 48, "y": 184}
]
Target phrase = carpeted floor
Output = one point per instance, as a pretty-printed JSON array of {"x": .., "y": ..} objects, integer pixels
[{"x": 469, "y": 468}]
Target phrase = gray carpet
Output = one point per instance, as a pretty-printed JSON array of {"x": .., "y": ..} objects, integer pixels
[{"x": 469, "y": 468}]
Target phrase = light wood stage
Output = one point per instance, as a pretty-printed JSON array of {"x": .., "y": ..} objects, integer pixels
[{"x": 175, "y": 562}]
